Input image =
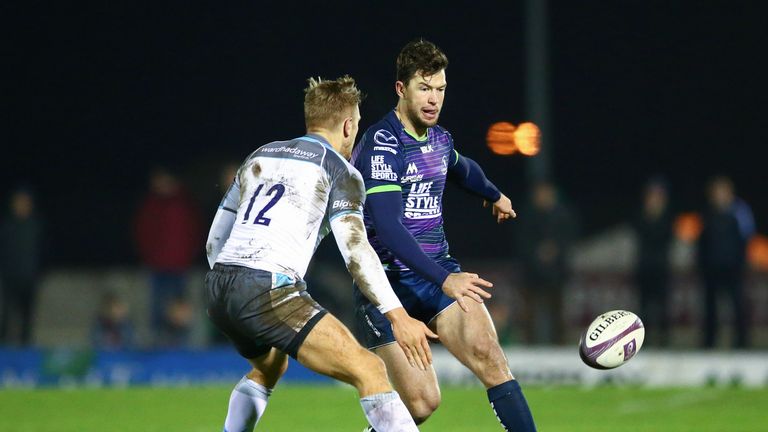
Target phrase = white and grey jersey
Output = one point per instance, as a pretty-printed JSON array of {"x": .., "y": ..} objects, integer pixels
[{"x": 281, "y": 204}]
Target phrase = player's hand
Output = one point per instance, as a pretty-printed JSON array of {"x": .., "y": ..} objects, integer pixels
[
  {"x": 502, "y": 209},
  {"x": 460, "y": 285},
  {"x": 411, "y": 335}
]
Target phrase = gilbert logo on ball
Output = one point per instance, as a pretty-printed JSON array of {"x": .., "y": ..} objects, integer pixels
[{"x": 612, "y": 339}]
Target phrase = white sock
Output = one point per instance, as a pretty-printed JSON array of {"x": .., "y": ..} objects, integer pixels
[
  {"x": 246, "y": 406},
  {"x": 387, "y": 413}
]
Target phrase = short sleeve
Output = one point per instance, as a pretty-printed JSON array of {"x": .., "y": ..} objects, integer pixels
[{"x": 380, "y": 161}]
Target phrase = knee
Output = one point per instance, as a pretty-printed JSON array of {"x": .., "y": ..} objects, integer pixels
[
  {"x": 422, "y": 407},
  {"x": 370, "y": 365},
  {"x": 366, "y": 369},
  {"x": 488, "y": 361},
  {"x": 485, "y": 349}
]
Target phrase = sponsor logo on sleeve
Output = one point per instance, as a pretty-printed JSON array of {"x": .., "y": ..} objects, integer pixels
[
  {"x": 444, "y": 169},
  {"x": 385, "y": 138},
  {"x": 343, "y": 204},
  {"x": 381, "y": 170}
]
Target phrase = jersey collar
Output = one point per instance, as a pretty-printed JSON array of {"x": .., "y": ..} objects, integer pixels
[
  {"x": 317, "y": 139},
  {"x": 396, "y": 121}
]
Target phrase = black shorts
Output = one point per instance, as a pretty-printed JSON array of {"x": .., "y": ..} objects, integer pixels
[
  {"x": 258, "y": 310},
  {"x": 423, "y": 300}
]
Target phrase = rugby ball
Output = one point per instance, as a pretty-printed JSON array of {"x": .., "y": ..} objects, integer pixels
[{"x": 612, "y": 339}]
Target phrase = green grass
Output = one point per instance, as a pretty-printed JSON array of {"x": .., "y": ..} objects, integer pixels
[{"x": 329, "y": 408}]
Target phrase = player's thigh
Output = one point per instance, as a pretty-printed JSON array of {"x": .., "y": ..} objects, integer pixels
[
  {"x": 330, "y": 349},
  {"x": 415, "y": 386},
  {"x": 471, "y": 338}
]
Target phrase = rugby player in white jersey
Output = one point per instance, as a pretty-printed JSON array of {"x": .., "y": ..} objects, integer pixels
[{"x": 286, "y": 197}]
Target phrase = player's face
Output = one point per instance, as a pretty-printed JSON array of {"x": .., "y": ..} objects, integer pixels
[
  {"x": 350, "y": 133},
  {"x": 423, "y": 98}
]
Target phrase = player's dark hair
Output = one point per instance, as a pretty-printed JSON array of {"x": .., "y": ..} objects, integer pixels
[
  {"x": 422, "y": 57},
  {"x": 328, "y": 102}
]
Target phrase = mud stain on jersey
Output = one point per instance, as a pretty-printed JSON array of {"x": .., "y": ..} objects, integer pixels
[{"x": 319, "y": 200}]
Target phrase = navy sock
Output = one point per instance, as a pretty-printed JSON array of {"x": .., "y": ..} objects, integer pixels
[{"x": 511, "y": 409}]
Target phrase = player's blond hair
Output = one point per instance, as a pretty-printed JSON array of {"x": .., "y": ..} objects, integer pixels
[{"x": 327, "y": 103}]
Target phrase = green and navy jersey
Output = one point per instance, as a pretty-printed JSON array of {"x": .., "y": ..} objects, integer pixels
[{"x": 391, "y": 159}]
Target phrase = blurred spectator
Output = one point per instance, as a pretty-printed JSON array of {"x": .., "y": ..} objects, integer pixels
[
  {"x": 653, "y": 229},
  {"x": 179, "y": 316},
  {"x": 545, "y": 233},
  {"x": 20, "y": 246},
  {"x": 113, "y": 329},
  {"x": 169, "y": 238},
  {"x": 728, "y": 226}
]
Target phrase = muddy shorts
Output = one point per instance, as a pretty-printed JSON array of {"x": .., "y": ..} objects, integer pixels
[{"x": 258, "y": 310}]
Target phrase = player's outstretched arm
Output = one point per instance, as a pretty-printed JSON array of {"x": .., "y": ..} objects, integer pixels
[
  {"x": 222, "y": 224},
  {"x": 366, "y": 270},
  {"x": 467, "y": 173}
]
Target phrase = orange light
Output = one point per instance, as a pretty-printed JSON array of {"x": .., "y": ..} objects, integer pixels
[
  {"x": 688, "y": 227},
  {"x": 757, "y": 252},
  {"x": 501, "y": 138},
  {"x": 528, "y": 139}
]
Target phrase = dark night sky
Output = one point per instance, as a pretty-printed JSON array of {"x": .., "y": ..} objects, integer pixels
[{"x": 97, "y": 94}]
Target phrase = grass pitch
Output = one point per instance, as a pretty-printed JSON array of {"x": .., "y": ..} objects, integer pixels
[{"x": 334, "y": 408}]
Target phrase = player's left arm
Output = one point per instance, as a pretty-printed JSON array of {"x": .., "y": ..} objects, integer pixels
[
  {"x": 467, "y": 173},
  {"x": 222, "y": 224}
]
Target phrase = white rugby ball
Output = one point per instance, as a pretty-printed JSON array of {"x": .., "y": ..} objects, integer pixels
[{"x": 612, "y": 339}]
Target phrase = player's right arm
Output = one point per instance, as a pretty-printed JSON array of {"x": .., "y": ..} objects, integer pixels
[{"x": 222, "y": 224}]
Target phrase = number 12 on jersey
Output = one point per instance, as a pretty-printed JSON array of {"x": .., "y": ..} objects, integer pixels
[{"x": 276, "y": 192}]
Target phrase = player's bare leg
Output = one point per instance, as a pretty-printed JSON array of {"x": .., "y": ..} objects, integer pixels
[
  {"x": 268, "y": 368},
  {"x": 418, "y": 388},
  {"x": 471, "y": 337},
  {"x": 249, "y": 397},
  {"x": 330, "y": 349}
]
